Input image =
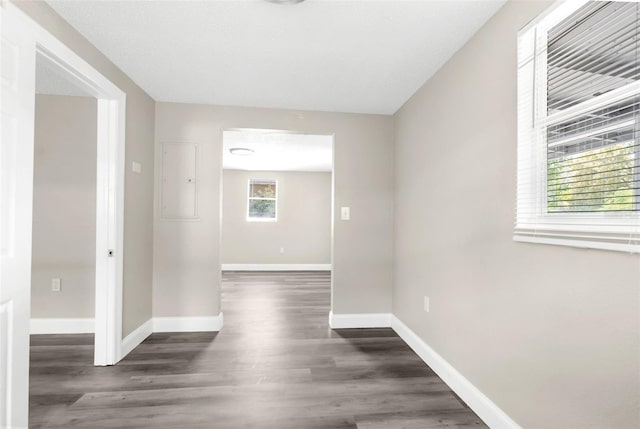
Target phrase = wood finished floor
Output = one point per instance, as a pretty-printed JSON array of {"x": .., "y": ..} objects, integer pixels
[{"x": 276, "y": 364}]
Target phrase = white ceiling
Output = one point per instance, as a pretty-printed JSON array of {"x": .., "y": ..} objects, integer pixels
[
  {"x": 277, "y": 151},
  {"x": 366, "y": 56}
]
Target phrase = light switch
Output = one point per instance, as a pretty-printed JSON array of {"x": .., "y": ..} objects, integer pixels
[
  {"x": 55, "y": 285},
  {"x": 345, "y": 213},
  {"x": 136, "y": 167}
]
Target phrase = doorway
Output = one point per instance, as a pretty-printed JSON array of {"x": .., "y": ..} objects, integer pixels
[
  {"x": 63, "y": 263},
  {"x": 109, "y": 203},
  {"x": 23, "y": 41},
  {"x": 277, "y": 203},
  {"x": 277, "y": 198}
]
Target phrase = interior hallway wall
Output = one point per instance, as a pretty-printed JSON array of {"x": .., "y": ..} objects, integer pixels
[
  {"x": 64, "y": 207},
  {"x": 549, "y": 333},
  {"x": 187, "y": 254},
  {"x": 303, "y": 228},
  {"x": 138, "y": 205}
]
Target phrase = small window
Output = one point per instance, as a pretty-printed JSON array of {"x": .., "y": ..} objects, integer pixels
[
  {"x": 263, "y": 200},
  {"x": 579, "y": 127}
]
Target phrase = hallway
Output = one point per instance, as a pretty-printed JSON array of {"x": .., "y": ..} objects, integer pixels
[{"x": 276, "y": 364}]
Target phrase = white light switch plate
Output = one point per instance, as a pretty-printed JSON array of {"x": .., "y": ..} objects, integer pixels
[
  {"x": 136, "y": 167},
  {"x": 345, "y": 213}
]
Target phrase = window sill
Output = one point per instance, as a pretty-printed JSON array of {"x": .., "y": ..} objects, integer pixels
[
  {"x": 261, "y": 220},
  {"x": 628, "y": 245}
]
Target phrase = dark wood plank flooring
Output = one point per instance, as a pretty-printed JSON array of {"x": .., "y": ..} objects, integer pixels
[{"x": 276, "y": 364}]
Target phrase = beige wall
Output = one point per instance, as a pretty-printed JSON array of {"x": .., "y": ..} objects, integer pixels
[
  {"x": 187, "y": 254},
  {"x": 138, "y": 225},
  {"x": 64, "y": 206},
  {"x": 551, "y": 334},
  {"x": 303, "y": 228}
]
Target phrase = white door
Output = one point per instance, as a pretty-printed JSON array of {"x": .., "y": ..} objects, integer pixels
[{"x": 17, "y": 63}]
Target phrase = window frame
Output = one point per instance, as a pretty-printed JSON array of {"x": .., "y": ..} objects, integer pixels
[
  {"x": 249, "y": 198},
  {"x": 619, "y": 231}
]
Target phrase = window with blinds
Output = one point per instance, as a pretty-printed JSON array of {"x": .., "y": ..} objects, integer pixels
[{"x": 579, "y": 126}]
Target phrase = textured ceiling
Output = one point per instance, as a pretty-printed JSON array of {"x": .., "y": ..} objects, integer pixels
[
  {"x": 327, "y": 55},
  {"x": 277, "y": 151}
]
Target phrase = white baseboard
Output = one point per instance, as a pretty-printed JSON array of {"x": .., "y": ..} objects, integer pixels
[
  {"x": 187, "y": 324},
  {"x": 489, "y": 412},
  {"x": 276, "y": 267},
  {"x": 156, "y": 324},
  {"x": 132, "y": 340},
  {"x": 364, "y": 320},
  {"x": 63, "y": 326}
]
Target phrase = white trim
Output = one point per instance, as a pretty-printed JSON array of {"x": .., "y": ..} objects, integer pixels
[
  {"x": 6, "y": 355},
  {"x": 554, "y": 13},
  {"x": 276, "y": 267},
  {"x": 488, "y": 411},
  {"x": 631, "y": 246},
  {"x": 85, "y": 325},
  {"x": 364, "y": 320},
  {"x": 109, "y": 186},
  {"x": 109, "y": 231},
  {"x": 188, "y": 324},
  {"x": 17, "y": 88},
  {"x": 132, "y": 340}
]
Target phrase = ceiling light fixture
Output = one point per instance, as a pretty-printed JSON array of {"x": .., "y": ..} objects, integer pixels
[
  {"x": 244, "y": 151},
  {"x": 285, "y": 1}
]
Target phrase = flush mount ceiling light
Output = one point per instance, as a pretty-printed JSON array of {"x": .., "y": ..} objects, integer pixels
[
  {"x": 285, "y": 1},
  {"x": 244, "y": 151}
]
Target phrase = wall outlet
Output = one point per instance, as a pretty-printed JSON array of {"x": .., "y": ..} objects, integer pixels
[
  {"x": 426, "y": 304},
  {"x": 282, "y": 250},
  {"x": 55, "y": 285}
]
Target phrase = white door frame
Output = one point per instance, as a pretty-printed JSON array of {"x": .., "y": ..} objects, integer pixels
[
  {"x": 23, "y": 39},
  {"x": 109, "y": 190},
  {"x": 333, "y": 187}
]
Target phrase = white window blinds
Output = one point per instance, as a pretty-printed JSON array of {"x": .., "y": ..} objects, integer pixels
[{"x": 579, "y": 127}]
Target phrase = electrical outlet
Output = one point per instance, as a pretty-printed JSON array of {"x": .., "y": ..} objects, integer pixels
[
  {"x": 55, "y": 285},
  {"x": 282, "y": 250},
  {"x": 426, "y": 304}
]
